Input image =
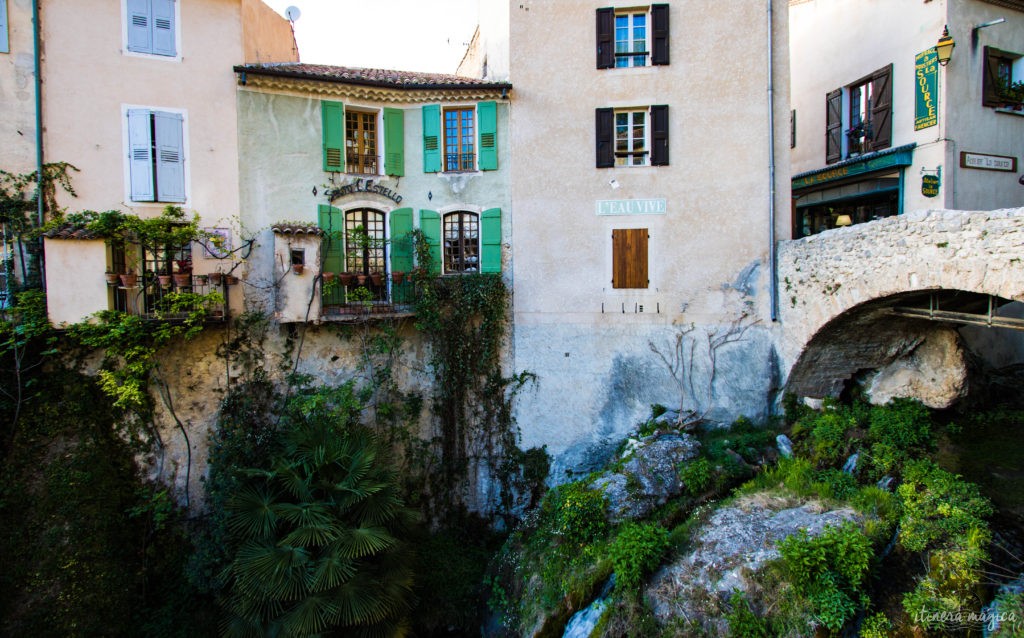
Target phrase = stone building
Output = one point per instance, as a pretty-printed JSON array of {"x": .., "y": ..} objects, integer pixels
[
  {"x": 139, "y": 96},
  {"x": 891, "y": 128},
  {"x": 645, "y": 203}
]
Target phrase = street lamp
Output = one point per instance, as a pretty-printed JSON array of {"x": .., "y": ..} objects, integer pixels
[{"x": 944, "y": 47}]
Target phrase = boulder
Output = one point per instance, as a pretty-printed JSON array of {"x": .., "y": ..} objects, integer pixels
[
  {"x": 646, "y": 475},
  {"x": 935, "y": 373}
]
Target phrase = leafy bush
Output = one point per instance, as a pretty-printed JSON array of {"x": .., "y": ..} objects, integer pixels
[
  {"x": 828, "y": 436},
  {"x": 636, "y": 551},
  {"x": 838, "y": 484},
  {"x": 743, "y": 622},
  {"x": 696, "y": 475},
  {"x": 939, "y": 508},
  {"x": 897, "y": 431},
  {"x": 875, "y": 626},
  {"x": 829, "y": 570},
  {"x": 576, "y": 513}
]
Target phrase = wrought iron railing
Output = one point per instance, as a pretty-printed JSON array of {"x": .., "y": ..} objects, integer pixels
[
  {"x": 160, "y": 297},
  {"x": 360, "y": 295},
  {"x": 365, "y": 164}
]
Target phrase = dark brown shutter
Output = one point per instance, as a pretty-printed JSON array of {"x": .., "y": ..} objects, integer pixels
[
  {"x": 605, "y": 134},
  {"x": 605, "y": 38},
  {"x": 659, "y": 18},
  {"x": 990, "y": 79},
  {"x": 834, "y": 126},
  {"x": 881, "y": 109},
  {"x": 629, "y": 258},
  {"x": 659, "y": 135}
]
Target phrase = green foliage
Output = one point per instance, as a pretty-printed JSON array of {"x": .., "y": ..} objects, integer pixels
[
  {"x": 828, "y": 436},
  {"x": 898, "y": 431},
  {"x": 636, "y": 550},
  {"x": 829, "y": 570},
  {"x": 319, "y": 530},
  {"x": 875, "y": 626},
  {"x": 696, "y": 475},
  {"x": 838, "y": 484},
  {"x": 26, "y": 341},
  {"x": 576, "y": 513},
  {"x": 743, "y": 622}
]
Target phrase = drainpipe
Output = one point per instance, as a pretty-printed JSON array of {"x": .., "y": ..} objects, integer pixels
[
  {"x": 40, "y": 204},
  {"x": 773, "y": 292}
]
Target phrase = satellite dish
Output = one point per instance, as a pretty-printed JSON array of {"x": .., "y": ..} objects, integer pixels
[{"x": 292, "y": 13}]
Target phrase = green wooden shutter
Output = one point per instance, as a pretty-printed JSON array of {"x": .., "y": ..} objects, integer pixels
[
  {"x": 332, "y": 223},
  {"x": 432, "y": 138},
  {"x": 490, "y": 240},
  {"x": 394, "y": 142},
  {"x": 487, "y": 113},
  {"x": 401, "y": 241},
  {"x": 333, "y": 114},
  {"x": 430, "y": 225}
]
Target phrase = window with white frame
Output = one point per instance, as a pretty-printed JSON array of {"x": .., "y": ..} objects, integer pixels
[
  {"x": 156, "y": 156},
  {"x": 151, "y": 26},
  {"x": 461, "y": 242},
  {"x": 631, "y": 37},
  {"x": 361, "y": 141},
  {"x": 632, "y": 136}
]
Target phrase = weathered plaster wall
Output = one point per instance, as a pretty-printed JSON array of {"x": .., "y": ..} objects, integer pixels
[
  {"x": 17, "y": 91},
  {"x": 707, "y": 252},
  {"x": 74, "y": 279},
  {"x": 267, "y": 37},
  {"x": 824, "y": 277}
]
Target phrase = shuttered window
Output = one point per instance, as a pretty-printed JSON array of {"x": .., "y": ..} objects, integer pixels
[
  {"x": 156, "y": 156},
  {"x": 332, "y": 115},
  {"x": 4, "y": 38},
  {"x": 430, "y": 226},
  {"x": 431, "y": 138},
  {"x": 629, "y": 258},
  {"x": 1003, "y": 70},
  {"x": 632, "y": 137},
  {"x": 865, "y": 124},
  {"x": 631, "y": 37},
  {"x": 394, "y": 142},
  {"x": 834, "y": 126},
  {"x": 487, "y": 114},
  {"x": 151, "y": 27},
  {"x": 881, "y": 109}
]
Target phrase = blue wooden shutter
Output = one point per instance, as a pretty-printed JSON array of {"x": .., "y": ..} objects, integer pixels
[
  {"x": 487, "y": 113},
  {"x": 401, "y": 241},
  {"x": 140, "y": 155},
  {"x": 170, "y": 157},
  {"x": 4, "y": 40},
  {"x": 333, "y": 116},
  {"x": 140, "y": 26},
  {"x": 163, "y": 27},
  {"x": 431, "y": 138},
  {"x": 331, "y": 222},
  {"x": 490, "y": 240},
  {"x": 430, "y": 225},
  {"x": 394, "y": 143}
]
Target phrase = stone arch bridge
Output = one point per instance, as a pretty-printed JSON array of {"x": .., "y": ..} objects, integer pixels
[{"x": 860, "y": 298}]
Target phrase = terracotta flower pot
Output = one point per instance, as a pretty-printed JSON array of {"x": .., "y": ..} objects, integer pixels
[
  {"x": 297, "y": 268},
  {"x": 328, "y": 277},
  {"x": 129, "y": 280},
  {"x": 165, "y": 280},
  {"x": 361, "y": 280},
  {"x": 346, "y": 278},
  {"x": 397, "y": 276},
  {"x": 182, "y": 280},
  {"x": 376, "y": 278},
  {"x": 112, "y": 277},
  {"x": 200, "y": 280},
  {"x": 230, "y": 280},
  {"x": 215, "y": 278}
]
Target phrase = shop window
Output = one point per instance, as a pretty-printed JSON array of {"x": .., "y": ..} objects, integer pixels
[
  {"x": 632, "y": 137},
  {"x": 859, "y": 117},
  {"x": 156, "y": 156},
  {"x": 461, "y": 243},
  {"x": 151, "y": 27},
  {"x": 629, "y": 37},
  {"x": 629, "y": 258}
]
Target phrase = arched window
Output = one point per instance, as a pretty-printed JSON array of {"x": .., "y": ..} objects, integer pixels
[
  {"x": 364, "y": 241},
  {"x": 461, "y": 242}
]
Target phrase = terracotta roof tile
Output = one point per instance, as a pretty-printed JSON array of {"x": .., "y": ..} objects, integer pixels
[
  {"x": 406, "y": 80},
  {"x": 296, "y": 229},
  {"x": 70, "y": 231}
]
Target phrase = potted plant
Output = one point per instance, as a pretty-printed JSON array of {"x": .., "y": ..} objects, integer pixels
[
  {"x": 129, "y": 279},
  {"x": 328, "y": 276},
  {"x": 112, "y": 278},
  {"x": 165, "y": 280},
  {"x": 200, "y": 280},
  {"x": 297, "y": 268},
  {"x": 1011, "y": 93},
  {"x": 361, "y": 279},
  {"x": 347, "y": 278},
  {"x": 397, "y": 276},
  {"x": 230, "y": 280},
  {"x": 182, "y": 279},
  {"x": 215, "y": 278},
  {"x": 376, "y": 278}
]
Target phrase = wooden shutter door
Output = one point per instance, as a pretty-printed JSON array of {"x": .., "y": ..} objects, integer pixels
[
  {"x": 401, "y": 243},
  {"x": 394, "y": 142},
  {"x": 605, "y": 136},
  {"x": 490, "y": 240},
  {"x": 605, "y": 38},
  {"x": 629, "y": 258},
  {"x": 333, "y": 249},
  {"x": 333, "y": 116},
  {"x": 140, "y": 31},
  {"x": 430, "y": 225},
  {"x": 170, "y": 157},
  {"x": 990, "y": 80},
  {"x": 834, "y": 126},
  {"x": 659, "y": 135},
  {"x": 163, "y": 27},
  {"x": 487, "y": 115},
  {"x": 140, "y": 155},
  {"x": 881, "y": 109},
  {"x": 659, "y": 48},
  {"x": 431, "y": 138}
]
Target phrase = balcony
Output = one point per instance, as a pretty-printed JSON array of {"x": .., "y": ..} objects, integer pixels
[
  {"x": 353, "y": 297},
  {"x": 167, "y": 297}
]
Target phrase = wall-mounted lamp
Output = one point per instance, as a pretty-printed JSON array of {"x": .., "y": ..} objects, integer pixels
[
  {"x": 844, "y": 220},
  {"x": 944, "y": 47}
]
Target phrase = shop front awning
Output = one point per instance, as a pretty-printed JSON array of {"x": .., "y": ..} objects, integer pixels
[{"x": 861, "y": 165}]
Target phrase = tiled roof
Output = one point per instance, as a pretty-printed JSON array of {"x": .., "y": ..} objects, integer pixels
[
  {"x": 70, "y": 231},
  {"x": 405, "y": 80},
  {"x": 287, "y": 228}
]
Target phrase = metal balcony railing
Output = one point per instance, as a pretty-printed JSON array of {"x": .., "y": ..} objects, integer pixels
[{"x": 353, "y": 296}]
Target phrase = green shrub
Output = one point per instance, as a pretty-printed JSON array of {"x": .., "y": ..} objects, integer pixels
[
  {"x": 743, "y": 622},
  {"x": 636, "y": 551},
  {"x": 696, "y": 475},
  {"x": 939, "y": 508},
  {"x": 576, "y": 513},
  {"x": 829, "y": 570},
  {"x": 898, "y": 431},
  {"x": 828, "y": 436},
  {"x": 837, "y": 484},
  {"x": 875, "y": 626}
]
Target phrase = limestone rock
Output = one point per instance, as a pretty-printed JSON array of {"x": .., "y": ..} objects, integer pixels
[
  {"x": 935, "y": 373},
  {"x": 647, "y": 476},
  {"x": 734, "y": 542}
]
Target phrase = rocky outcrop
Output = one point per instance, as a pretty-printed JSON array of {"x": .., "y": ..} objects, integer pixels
[
  {"x": 935, "y": 373},
  {"x": 647, "y": 475},
  {"x": 733, "y": 543}
]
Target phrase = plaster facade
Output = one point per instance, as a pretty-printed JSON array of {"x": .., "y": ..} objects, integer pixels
[
  {"x": 836, "y": 44},
  {"x": 706, "y": 214},
  {"x": 17, "y": 90},
  {"x": 87, "y": 98}
]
